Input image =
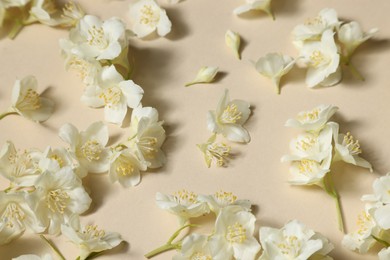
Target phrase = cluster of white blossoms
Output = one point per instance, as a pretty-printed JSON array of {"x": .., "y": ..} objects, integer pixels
[
  {"x": 26, "y": 101},
  {"x": 227, "y": 120},
  {"x": 46, "y": 195},
  {"x": 314, "y": 151},
  {"x": 19, "y": 13},
  {"x": 233, "y": 233},
  {"x": 374, "y": 222},
  {"x": 324, "y": 44}
]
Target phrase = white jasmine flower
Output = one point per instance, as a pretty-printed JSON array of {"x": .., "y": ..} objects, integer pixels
[
  {"x": 323, "y": 61},
  {"x": 147, "y": 16},
  {"x": 184, "y": 204},
  {"x": 34, "y": 257},
  {"x": 89, "y": 238},
  {"x": 293, "y": 241},
  {"x": 228, "y": 119},
  {"x": 362, "y": 239},
  {"x": 58, "y": 195},
  {"x": 55, "y": 159},
  {"x": 256, "y": 5},
  {"x": 384, "y": 254},
  {"x": 19, "y": 167},
  {"x": 348, "y": 149},
  {"x": 232, "y": 40},
  {"x": 351, "y": 36},
  {"x": 233, "y": 235},
  {"x": 88, "y": 147},
  {"x": 313, "y": 120},
  {"x": 217, "y": 151},
  {"x": 46, "y": 12},
  {"x": 313, "y": 28},
  {"x": 147, "y": 136},
  {"x": 72, "y": 14},
  {"x": 114, "y": 93},
  {"x": 274, "y": 66},
  {"x": 93, "y": 38},
  {"x": 28, "y": 103},
  {"x": 195, "y": 246},
  {"x": 311, "y": 145},
  {"x": 310, "y": 172},
  {"x": 15, "y": 216},
  {"x": 125, "y": 167},
  {"x": 205, "y": 75},
  {"x": 222, "y": 199}
]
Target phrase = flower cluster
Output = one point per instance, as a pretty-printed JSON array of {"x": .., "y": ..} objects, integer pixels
[
  {"x": 46, "y": 195},
  {"x": 324, "y": 44},
  {"x": 374, "y": 222},
  {"x": 226, "y": 120},
  {"x": 19, "y": 13},
  {"x": 314, "y": 151},
  {"x": 233, "y": 233},
  {"x": 26, "y": 101},
  {"x": 98, "y": 51}
]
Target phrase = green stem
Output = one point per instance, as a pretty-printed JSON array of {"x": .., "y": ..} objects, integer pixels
[
  {"x": 330, "y": 189},
  {"x": 381, "y": 241},
  {"x": 7, "y": 114},
  {"x": 94, "y": 255},
  {"x": 53, "y": 247},
  {"x": 162, "y": 249},
  {"x": 16, "y": 28},
  {"x": 354, "y": 71}
]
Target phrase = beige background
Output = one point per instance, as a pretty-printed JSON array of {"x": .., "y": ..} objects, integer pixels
[{"x": 162, "y": 67}]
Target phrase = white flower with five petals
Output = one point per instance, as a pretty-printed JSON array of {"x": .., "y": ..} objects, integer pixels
[
  {"x": 88, "y": 147},
  {"x": 234, "y": 235},
  {"x": 293, "y": 241},
  {"x": 222, "y": 199},
  {"x": 195, "y": 246},
  {"x": 184, "y": 204},
  {"x": 228, "y": 119},
  {"x": 114, "y": 93},
  {"x": 147, "y": 16}
]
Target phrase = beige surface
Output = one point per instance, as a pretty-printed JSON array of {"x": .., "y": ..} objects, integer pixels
[{"x": 162, "y": 67}]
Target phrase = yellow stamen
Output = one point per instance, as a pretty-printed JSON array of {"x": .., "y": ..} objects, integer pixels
[
  {"x": 148, "y": 16},
  {"x": 91, "y": 150},
  {"x": 231, "y": 114},
  {"x": 57, "y": 201},
  {"x": 236, "y": 233},
  {"x": 352, "y": 144}
]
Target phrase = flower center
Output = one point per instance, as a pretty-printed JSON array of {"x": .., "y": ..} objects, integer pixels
[
  {"x": 305, "y": 144},
  {"x": 30, "y": 101},
  {"x": 57, "y": 200},
  {"x": 58, "y": 159},
  {"x": 236, "y": 233},
  {"x": 72, "y": 12},
  {"x": 352, "y": 144},
  {"x": 49, "y": 6},
  {"x": 96, "y": 37},
  {"x": 92, "y": 231},
  {"x": 219, "y": 151},
  {"x": 309, "y": 116},
  {"x": 314, "y": 21},
  {"x": 231, "y": 114},
  {"x": 307, "y": 167},
  {"x": 225, "y": 198},
  {"x": 91, "y": 150},
  {"x": 185, "y": 197},
  {"x": 200, "y": 256},
  {"x": 111, "y": 96},
  {"x": 13, "y": 215},
  {"x": 364, "y": 223},
  {"x": 318, "y": 59},
  {"x": 82, "y": 67},
  {"x": 125, "y": 166},
  {"x": 290, "y": 246},
  {"x": 22, "y": 164},
  {"x": 148, "y": 16},
  {"x": 148, "y": 146}
]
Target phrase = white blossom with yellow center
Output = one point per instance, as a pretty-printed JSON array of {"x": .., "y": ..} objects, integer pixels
[
  {"x": 228, "y": 119},
  {"x": 58, "y": 196},
  {"x": 195, "y": 247},
  {"x": 309, "y": 172},
  {"x": 293, "y": 241},
  {"x": 222, "y": 199},
  {"x": 88, "y": 147},
  {"x": 313, "y": 120},
  {"x": 234, "y": 234},
  {"x": 215, "y": 151},
  {"x": 114, "y": 94},
  {"x": 184, "y": 204},
  {"x": 147, "y": 16},
  {"x": 28, "y": 103},
  {"x": 15, "y": 216},
  {"x": 89, "y": 239}
]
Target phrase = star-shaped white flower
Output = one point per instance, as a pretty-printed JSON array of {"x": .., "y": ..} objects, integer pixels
[
  {"x": 147, "y": 16},
  {"x": 222, "y": 199},
  {"x": 228, "y": 119}
]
